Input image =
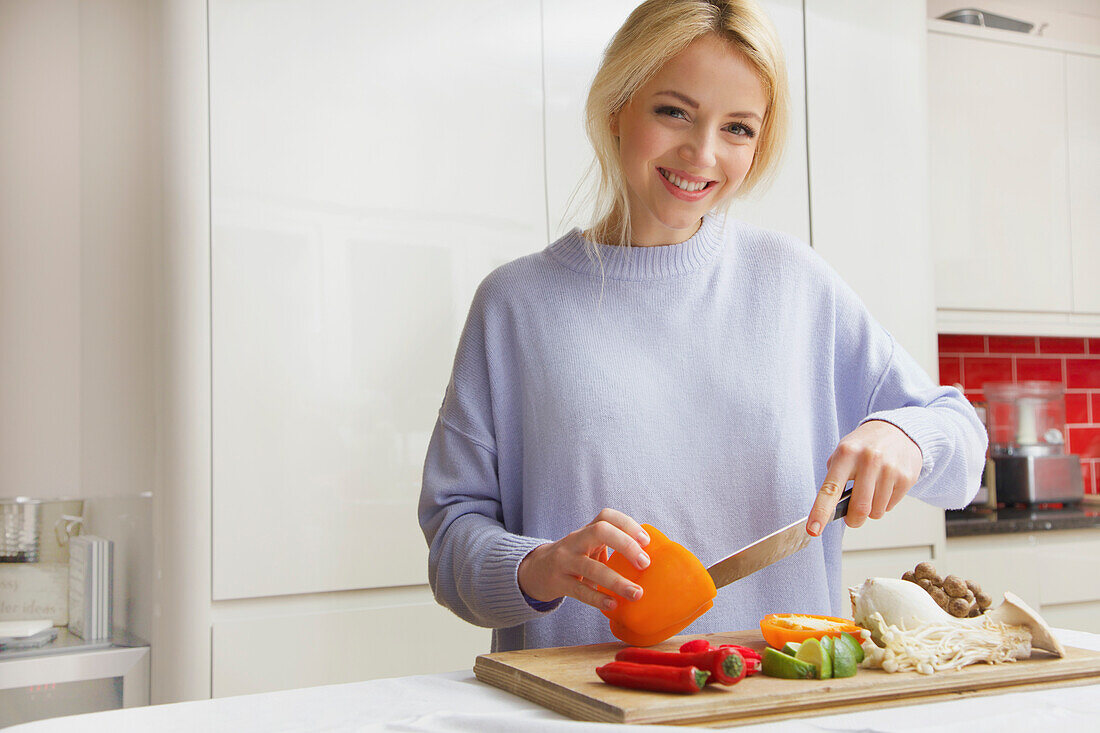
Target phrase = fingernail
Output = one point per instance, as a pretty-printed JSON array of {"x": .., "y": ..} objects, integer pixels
[
  {"x": 645, "y": 538},
  {"x": 636, "y": 593},
  {"x": 643, "y": 561},
  {"x": 609, "y": 604},
  {"x": 815, "y": 527}
]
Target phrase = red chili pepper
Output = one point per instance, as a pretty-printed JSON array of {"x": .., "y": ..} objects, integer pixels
[
  {"x": 745, "y": 651},
  {"x": 657, "y": 677},
  {"x": 726, "y": 666},
  {"x": 695, "y": 645},
  {"x": 753, "y": 661}
]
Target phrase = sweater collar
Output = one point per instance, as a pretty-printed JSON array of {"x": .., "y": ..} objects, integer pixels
[{"x": 579, "y": 254}]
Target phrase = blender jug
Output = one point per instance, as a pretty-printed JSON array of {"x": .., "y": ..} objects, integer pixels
[{"x": 1027, "y": 428}]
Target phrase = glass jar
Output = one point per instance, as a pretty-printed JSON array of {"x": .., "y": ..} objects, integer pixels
[{"x": 1026, "y": 418}]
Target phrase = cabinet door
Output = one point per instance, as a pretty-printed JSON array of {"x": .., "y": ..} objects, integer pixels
[
  {"x": 868, "y": 159},
  {"x": 572, "y": 54},
  {"x": 370, "y": 164},
  {"x": 868, "y": 194},
  {"x": 998, "y": 563},
  {"x": 1083, "y": 125},
  {"x": 998, "y": 175}
]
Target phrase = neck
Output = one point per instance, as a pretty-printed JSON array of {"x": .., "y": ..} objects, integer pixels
[{"x": 610, "y": 231}]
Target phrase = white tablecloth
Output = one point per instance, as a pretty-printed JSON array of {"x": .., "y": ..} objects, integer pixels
[{"x": 456, "y": 701}]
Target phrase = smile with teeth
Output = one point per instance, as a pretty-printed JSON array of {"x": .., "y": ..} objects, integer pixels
[{"x": 683, "y": 185}]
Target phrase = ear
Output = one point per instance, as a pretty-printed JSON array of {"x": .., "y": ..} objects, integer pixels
[{"x": 614, "y": 124}]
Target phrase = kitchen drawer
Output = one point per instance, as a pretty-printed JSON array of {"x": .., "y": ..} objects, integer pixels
[
  {"x": 997, "y": 563},
  {"x": 1070, "y": 563},
  {"x": 1077, "y": 616},
  {"x": 271, "y": 644}
]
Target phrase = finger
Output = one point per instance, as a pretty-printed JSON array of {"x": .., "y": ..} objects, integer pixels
[
  {"x": 901, "y": 488},
  {"x": 605, "y": 534},
  {"x": 884, "y": 493},
  {"x": 589, "y": 595},
  {"x": 868, "y": 471},
  {"x": 624, "y": 522},
  {"x": 587, "y": 582},
  {"x": 596, "y": 572},
  {"x": 841, "y": 466}
]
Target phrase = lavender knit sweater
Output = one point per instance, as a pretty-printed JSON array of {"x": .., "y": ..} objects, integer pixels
[{"x": 701, "y": 389}]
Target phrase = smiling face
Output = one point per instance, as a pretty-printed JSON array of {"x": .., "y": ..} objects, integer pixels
[{"x": 687, "y": 139}]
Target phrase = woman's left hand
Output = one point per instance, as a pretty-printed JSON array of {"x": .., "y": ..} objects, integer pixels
[{"x": 883, "y": 462}]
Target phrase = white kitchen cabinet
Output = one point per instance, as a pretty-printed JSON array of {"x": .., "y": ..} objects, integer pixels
[
  {"x": 1083, "y": 128},
  {"x": 998, "y": 563},
  {"x": 366, "y": 165},
  {"x": 1057, "y": 572},
  {"x": 366, "y": 635},
  {"x": 998, "y": 175},
  {"x": 868, "y": 203},
  {"x": 370, "y": 164},
  {"x": 1013, "y": 181}
]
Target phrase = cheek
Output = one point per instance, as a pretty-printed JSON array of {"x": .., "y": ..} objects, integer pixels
[
  {"x": 643, "y": 143},
  {"x": 739, "y": 162}
]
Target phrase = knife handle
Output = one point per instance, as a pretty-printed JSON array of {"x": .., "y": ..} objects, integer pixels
[{"x": 842, "y": 505}]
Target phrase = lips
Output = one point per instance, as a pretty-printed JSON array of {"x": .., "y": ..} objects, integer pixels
[{"x": 685, "y": 186}]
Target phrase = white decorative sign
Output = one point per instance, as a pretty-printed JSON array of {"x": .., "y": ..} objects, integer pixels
[{"x": 34, "y": 590}]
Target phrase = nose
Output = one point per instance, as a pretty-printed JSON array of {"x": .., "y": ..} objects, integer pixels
[{"x": 698, "y": 149}]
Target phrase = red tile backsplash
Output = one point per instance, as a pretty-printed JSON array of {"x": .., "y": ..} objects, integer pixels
[
  {"x": 1085, "y": 442},
  {"x": 1013, "y": 344},
  {"x": 1082, "y": 373},
  {"x": 1060, "y": 345},
  {"x": 973, "y": 360},
  {"x": 1077, "y": 408},
  {"x": 977, "y": 370},
  {"x": 958, "y": 344},
  {"x": 950, "y": 370},
  {"x": 1038, "y": 368}
]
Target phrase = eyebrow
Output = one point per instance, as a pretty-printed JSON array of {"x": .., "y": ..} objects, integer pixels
[{"x": 695, "y": 105}]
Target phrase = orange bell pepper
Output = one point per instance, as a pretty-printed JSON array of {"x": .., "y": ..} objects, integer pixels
[
  {"x": 780, "y": 628},
  {"x": 676, "y": 590}
]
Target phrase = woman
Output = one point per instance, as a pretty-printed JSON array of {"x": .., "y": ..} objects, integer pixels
[{"x": 667, "y": 366}]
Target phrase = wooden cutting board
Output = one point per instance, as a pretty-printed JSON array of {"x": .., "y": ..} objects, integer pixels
[{"x": 564, "y": 679}]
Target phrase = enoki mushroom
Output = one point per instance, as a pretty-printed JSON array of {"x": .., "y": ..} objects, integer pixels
[{"x": 932, "y": 647}]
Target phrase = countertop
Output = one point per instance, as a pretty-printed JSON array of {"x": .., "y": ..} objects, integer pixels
[
  {"x": 456, "y": 701},
  {"x": 974, "y": 521}
]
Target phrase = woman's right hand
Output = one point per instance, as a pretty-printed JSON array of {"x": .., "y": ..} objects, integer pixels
[{"x": 573, "y": 566}]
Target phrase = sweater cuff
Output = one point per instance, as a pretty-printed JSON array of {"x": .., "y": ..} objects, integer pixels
[
  {"x": 502, "y": 591},
  {"x": 921, "y": 429}
]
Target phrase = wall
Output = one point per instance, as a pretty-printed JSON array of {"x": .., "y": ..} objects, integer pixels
[
  {"x": 972, "y": 360},
  {"x": 79, "y": 254}
]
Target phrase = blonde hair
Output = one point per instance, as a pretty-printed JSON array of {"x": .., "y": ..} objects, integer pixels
[{"x": 655, "y": 32}]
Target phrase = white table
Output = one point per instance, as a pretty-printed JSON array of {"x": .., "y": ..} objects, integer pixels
[{"x": 456, "y": 701}]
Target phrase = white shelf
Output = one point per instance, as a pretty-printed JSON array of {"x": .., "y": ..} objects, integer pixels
[
  {"x": 997, "y": 35},
  {"x": 1017, "y": 323}
]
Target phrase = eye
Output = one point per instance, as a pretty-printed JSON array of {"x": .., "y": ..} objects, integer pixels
[
  {"x": 741, "y": 130},
  {"x": 670, "y": 111}
]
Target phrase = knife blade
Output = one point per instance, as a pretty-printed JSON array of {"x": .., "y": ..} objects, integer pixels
[{"x": 776, "y": 546}]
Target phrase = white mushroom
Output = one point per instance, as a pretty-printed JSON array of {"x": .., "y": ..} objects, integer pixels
[
  {"x": 1015, "y": 612},
  {"x": 916, "y": 634}
]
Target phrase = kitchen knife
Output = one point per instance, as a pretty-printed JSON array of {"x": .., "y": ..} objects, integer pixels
[{"x": 776, "y": 546}]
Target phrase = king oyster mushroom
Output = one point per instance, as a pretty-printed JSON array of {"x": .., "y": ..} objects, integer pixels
[{"x": 911, "y": 632}]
